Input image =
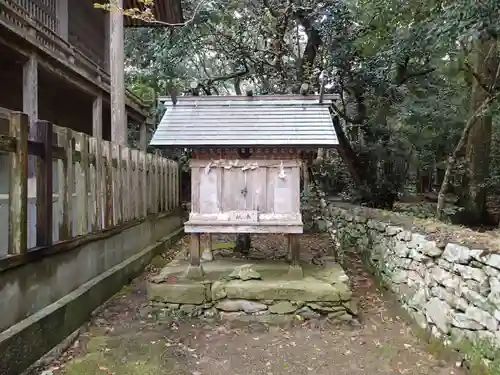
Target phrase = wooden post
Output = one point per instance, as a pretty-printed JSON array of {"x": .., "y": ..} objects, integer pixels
[
  {"x": 207, "y": 251},
  {"x": 30, "y": 89},
  {"x": 295, "y": 270},
  {"x": 195, "y": 270},
  {"x": 30, "y": 107},
  {"x": 44, "y": 188},
  {"x": 143, "y": 136},
  {"x": 18, "y": 193},
  {"x": 116, "y": 71}
]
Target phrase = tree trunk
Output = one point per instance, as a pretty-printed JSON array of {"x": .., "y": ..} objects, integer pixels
[
  {"x": 453, "y": 157},
  {"x": 485, "y": 66}
]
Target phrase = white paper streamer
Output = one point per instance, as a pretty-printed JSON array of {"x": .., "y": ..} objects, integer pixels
[{"x": 282, "y": 174}]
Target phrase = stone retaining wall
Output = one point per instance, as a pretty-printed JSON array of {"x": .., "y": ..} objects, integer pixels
[{"x": 451, "y": 289}]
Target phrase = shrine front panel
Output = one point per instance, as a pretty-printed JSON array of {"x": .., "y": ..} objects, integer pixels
[{"x": 266, "y": 186}]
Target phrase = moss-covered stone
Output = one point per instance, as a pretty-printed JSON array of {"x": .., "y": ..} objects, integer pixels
[
  {"x": 283, "y": 307},
  {"x": 181, "y": 292},
  {"x": 308, "y": 290}
]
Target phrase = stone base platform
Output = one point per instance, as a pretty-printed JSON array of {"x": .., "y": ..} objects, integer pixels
[{"x": 254, "y": 290}]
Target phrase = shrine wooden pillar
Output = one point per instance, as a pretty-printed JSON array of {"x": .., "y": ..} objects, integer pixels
[
  {"x": 195, "y": 270},
  {"x": 117, "y": 74}
]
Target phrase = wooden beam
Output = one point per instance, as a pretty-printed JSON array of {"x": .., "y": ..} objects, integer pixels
[{"x": 116, "y": 71}]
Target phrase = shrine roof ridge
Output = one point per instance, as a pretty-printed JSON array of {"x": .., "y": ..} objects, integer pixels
[{"x": 270, "y": 120}]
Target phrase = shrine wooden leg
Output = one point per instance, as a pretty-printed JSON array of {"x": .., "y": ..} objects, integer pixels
[
  {"x": 194, "y": 270},
  {"x": 295, "y": 269},
  {"x": 207, "y": 251}
]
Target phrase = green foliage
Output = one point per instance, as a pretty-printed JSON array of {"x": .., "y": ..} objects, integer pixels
[{"x": 401, "y": 70}]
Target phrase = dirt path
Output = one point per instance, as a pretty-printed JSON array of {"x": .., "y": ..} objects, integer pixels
[{"x": 125, "y": 339}]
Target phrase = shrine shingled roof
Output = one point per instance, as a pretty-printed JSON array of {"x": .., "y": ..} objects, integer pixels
[{"x": 284, "y": 120}]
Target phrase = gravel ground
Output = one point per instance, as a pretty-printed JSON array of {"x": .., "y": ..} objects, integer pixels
[{"x": 123, "y": 340}]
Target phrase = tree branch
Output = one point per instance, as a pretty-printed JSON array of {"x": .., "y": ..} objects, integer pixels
[
  {"x": 409, "y": 76},
  {"x": 208, "y": 84}
]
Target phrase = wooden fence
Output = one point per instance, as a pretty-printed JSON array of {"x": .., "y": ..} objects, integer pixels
[{"x": 84, "y": 185}]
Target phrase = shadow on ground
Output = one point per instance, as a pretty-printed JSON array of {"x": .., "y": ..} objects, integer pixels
[{"x": 125, "y": 338}]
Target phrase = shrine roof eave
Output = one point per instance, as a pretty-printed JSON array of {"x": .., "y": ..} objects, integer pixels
[{"x": 208, "y": 147}]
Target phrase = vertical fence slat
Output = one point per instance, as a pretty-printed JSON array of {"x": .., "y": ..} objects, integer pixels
[
  {"x": 149, "y": 166},
  {"x": 165, "y": 184},
  {"x": 82, "y": 184},
  {"x": 99, "y": 183},
  {"x": 135, "y": 192},
  {"x": 152, "y": 179},
  {"x": 160, "y": 184},
  {"x": 108, "y": 212},
  {"x": 66, "y": 190},
  {"x": 18, "y": 194},
  {"x": 144, "y": 184},
  {"x": 176, "y": 185},
  {"x": 92, "y": 185},
  {"x": 169, "y": 184},
  {"x": 79, "y": 187},
  {"x": 171, "y": 187},
  {"x": 129, "y": 184},
  {"x": 44, "y": 188},
  {"x": 117, "y": 182},
  {"x": 60, "y": 183},
  {"x": 86, "y": 175},
  {"x": 156, "y": 182}
]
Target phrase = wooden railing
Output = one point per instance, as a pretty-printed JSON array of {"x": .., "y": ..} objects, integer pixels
[{"x": 84, "y": 185}]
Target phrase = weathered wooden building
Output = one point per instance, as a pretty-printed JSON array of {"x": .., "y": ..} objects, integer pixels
[
  {"x": 56, "y": 62},
  {"x": 63, "y": 61}
]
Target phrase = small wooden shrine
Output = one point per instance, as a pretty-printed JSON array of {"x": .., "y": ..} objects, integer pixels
[{"x": 246, "y": 157}]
